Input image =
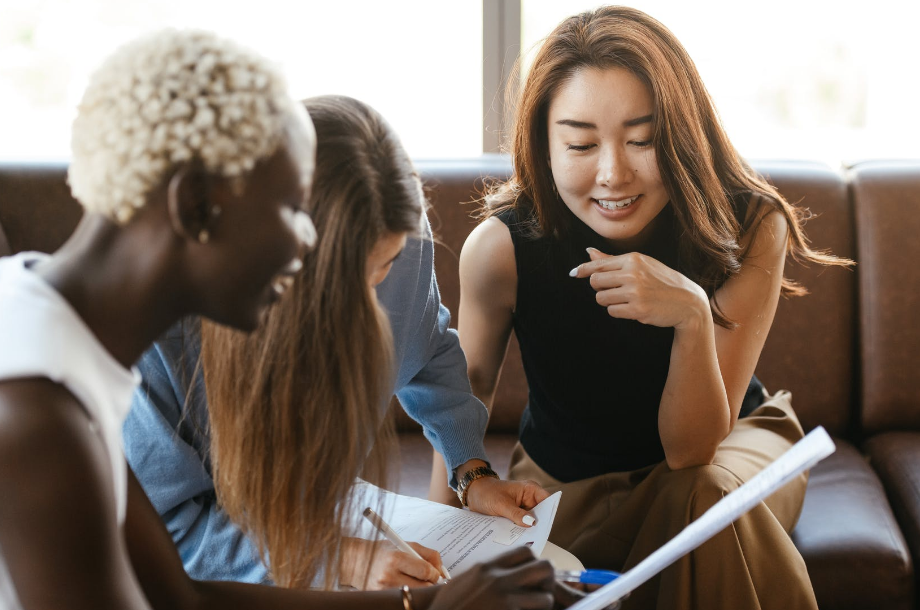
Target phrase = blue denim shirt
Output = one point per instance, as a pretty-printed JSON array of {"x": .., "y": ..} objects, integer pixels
[{"x": 169, "y": 452}]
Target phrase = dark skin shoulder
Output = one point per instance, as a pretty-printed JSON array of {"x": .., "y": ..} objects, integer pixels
[{"x": 58, "y": 516}]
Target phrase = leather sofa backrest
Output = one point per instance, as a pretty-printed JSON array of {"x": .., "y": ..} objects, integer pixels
[
  {"x": 813, "y": 343},
  {"x": 454, "y": 188},
  {"x": 811, "y": 349},
  {"x": 37, "y": 211},
  {"x": 887, "y": 197}
]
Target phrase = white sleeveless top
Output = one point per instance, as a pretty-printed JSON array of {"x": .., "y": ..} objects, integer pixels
[{"x": 42, "y": 336}]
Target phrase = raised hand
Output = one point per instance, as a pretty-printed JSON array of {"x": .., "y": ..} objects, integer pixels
[
  {"x": 637, "y": 287},
  {"x": 510, "y": 499}
]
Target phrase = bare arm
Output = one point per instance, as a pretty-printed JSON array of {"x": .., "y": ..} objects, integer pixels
[
  {"x": 167, "y": 586},
  {"x": 64, "y": 549},
  {"x": 488, "y": 292},
  {"x": 710, "y": 366},
  {"x": 57, "y": 519}
]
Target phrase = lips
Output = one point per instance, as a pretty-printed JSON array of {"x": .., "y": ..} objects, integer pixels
[{"x": 616, "y": 204}]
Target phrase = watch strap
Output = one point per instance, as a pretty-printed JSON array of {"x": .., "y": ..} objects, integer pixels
[{"x": 471, "y": 475}]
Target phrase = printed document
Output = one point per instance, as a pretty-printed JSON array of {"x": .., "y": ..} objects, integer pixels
[{"x": 463, "y": 538}]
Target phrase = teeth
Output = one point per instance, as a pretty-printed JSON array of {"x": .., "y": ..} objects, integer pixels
[
  {"x": 304, "y": 228},
  {"x": 294, "y": 266},
  {"x": 281, "y": 285},
  {"x": 609, "y": 204}
]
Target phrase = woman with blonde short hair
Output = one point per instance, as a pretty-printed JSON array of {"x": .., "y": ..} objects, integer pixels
[{"x": 193, "y": 165}]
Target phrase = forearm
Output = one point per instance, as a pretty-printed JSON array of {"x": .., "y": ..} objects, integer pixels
[
  {"x": 694, "y": 416},
  {"x": 233, "y": 596}
]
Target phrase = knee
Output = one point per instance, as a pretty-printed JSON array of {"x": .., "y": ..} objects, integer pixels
[{"x": 697, "y": 488}]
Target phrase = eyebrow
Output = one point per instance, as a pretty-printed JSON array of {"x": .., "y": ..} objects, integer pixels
[
  {"x": 585, "y": 125},
  {"x": 638, "y": 121}
]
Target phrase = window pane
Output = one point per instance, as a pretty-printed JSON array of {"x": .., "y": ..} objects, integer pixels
[
  {"x": 418, "y": 62},
  {"x": 793, "y": 79}
]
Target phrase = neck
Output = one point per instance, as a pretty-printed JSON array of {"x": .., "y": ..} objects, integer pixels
[{"x": 116, "y": 282}]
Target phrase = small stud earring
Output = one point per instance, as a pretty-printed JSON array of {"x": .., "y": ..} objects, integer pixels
[
  {"x": 215, "y": 211},
  {"x": 203, "y": 236}
]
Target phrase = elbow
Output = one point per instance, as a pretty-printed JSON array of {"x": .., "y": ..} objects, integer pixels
[
  {"x": 693, "y": 452},
  {"x": 696, "y": 447},
  {"x": 689, "y": 459}
]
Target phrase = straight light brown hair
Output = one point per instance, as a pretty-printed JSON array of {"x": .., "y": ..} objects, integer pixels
[
  {"x": 701, "y": 170},
  {"x": 297, "y": 408}
]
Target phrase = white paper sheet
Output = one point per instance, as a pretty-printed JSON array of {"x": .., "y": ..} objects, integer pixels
[
  {"x": 463, "y": 538},
  {"x": 816, "y": 446}
]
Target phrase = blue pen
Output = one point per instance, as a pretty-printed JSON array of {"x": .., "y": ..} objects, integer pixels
[{"x": 588, "y": 577}]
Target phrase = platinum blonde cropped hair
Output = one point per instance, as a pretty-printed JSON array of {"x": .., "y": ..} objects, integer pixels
[{"x": 168, "y": 98}]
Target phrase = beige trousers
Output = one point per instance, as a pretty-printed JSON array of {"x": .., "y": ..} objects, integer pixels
[{"x": 613, "y": 521}]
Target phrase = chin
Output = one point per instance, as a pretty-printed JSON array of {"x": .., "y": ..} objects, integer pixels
[{"x": 246, "y": 320}]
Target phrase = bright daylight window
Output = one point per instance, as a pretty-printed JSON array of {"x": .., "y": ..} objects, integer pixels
[
  {"x": 417, "y": 62},
  {"x": 793, "y": 79}
]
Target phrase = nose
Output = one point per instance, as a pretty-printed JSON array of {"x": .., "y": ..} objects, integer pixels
[{"x": 613, "y": 168}]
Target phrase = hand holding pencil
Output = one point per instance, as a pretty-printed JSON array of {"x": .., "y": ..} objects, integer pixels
[{"x": 436, "y": 574}]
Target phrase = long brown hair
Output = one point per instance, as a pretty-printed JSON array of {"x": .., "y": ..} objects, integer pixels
[
  {"x": 701, "y": 170},
  {"x": 296, "y": 407}
]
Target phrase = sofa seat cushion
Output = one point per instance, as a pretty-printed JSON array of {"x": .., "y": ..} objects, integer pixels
[
  {"x": 896, "y": 458},
  {"x": 848, "y": 535}
]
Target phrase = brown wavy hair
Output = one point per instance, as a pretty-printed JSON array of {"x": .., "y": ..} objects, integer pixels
[
  {"x": 297, "y": 408},
  {"x": 701, "y": 170}
]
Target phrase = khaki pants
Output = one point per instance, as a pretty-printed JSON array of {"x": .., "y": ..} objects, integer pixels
[{"x": 613, "y": 521}]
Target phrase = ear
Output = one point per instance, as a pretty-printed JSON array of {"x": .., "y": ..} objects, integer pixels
[{"x": 190, "y": 211}]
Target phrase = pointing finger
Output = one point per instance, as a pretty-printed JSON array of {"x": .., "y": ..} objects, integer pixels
[
  {"x": 596, "y": 254},
  {"x": 599, "y": 262}
]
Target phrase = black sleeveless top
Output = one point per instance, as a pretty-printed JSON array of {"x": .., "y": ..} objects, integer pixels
[{"x": 595, "y": 382}]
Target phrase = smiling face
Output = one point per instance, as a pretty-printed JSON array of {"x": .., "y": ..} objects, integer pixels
[
  {"x": 602, "y": 155},
  {"x": 262, "y": 234}
]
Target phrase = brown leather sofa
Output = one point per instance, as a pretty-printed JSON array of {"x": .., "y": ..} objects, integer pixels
[{"x": 847, "y": 352}]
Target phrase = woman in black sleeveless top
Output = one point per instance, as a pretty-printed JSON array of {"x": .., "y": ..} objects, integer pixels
[{"x": 639, "y": 261}]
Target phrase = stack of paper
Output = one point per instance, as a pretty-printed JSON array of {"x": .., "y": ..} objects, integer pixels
[{"x": 463, "y": 538}]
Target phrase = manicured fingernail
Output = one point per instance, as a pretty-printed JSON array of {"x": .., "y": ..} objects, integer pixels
[
  {"x": 528, "y": 520},
  {"x": 573, "y": 272}
]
